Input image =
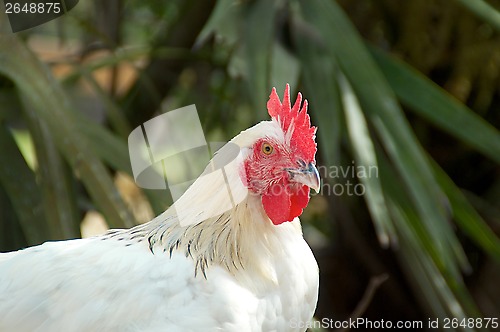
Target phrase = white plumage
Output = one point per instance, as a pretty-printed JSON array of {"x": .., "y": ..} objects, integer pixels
[{"x": 236, "y": 271}]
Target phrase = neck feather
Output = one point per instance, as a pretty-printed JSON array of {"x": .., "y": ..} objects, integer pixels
[{"x": 238, "y": 239}]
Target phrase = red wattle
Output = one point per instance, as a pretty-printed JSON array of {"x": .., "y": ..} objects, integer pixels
[
  {"x": 281, "y": 205},
  {"x": 298, "y": 201}
]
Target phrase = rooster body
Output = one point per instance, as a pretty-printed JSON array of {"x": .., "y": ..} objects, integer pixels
[{"x": 245, "y": 269}]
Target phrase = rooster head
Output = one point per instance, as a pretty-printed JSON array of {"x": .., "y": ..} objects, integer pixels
[{"x": 280, "y": 166}]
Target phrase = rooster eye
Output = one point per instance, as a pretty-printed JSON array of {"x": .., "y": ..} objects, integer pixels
[{"x": 267, "y": 148}]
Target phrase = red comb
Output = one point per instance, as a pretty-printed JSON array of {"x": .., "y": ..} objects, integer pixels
[{"x": 289, "y": 118}]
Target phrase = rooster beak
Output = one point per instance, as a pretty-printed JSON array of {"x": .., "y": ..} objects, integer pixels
[{"x": 307, "y": 175}]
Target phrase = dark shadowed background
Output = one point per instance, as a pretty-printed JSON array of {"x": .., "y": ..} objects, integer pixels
[{"x": 408, "y": 89}]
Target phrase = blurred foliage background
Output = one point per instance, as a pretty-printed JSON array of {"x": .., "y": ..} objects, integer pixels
[{"x": 410, "y": 87}]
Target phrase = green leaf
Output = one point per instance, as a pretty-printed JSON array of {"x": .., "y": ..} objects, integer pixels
[
  {"x": 431, "y": 102},
  {"x": 20, "y": 185},
  {"x": 484, "y": 11},
  {"x": 467, "y": 217},
  {"x": 55, "y": 181},
  {"x": 397, "y": 194},
  {"x": 318, "y": 72},
  {"x": 222, "y": 22},
  {"x": 114, "y": 114},
  {"x": 36, "y": 84},
  {"x": 284, "y": 69},
  {"x": 10, "y": 104},
  {"x": 364, "y": 153},
  {"x": 11, "y": 233},
  {"x": 422, "y": 270},
  {"x": 441, "y": 287},
  {"x": 258, "y": 33}
]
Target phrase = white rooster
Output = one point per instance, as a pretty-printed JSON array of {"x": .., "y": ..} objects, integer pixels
[{"x": 246, "y": 269}]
